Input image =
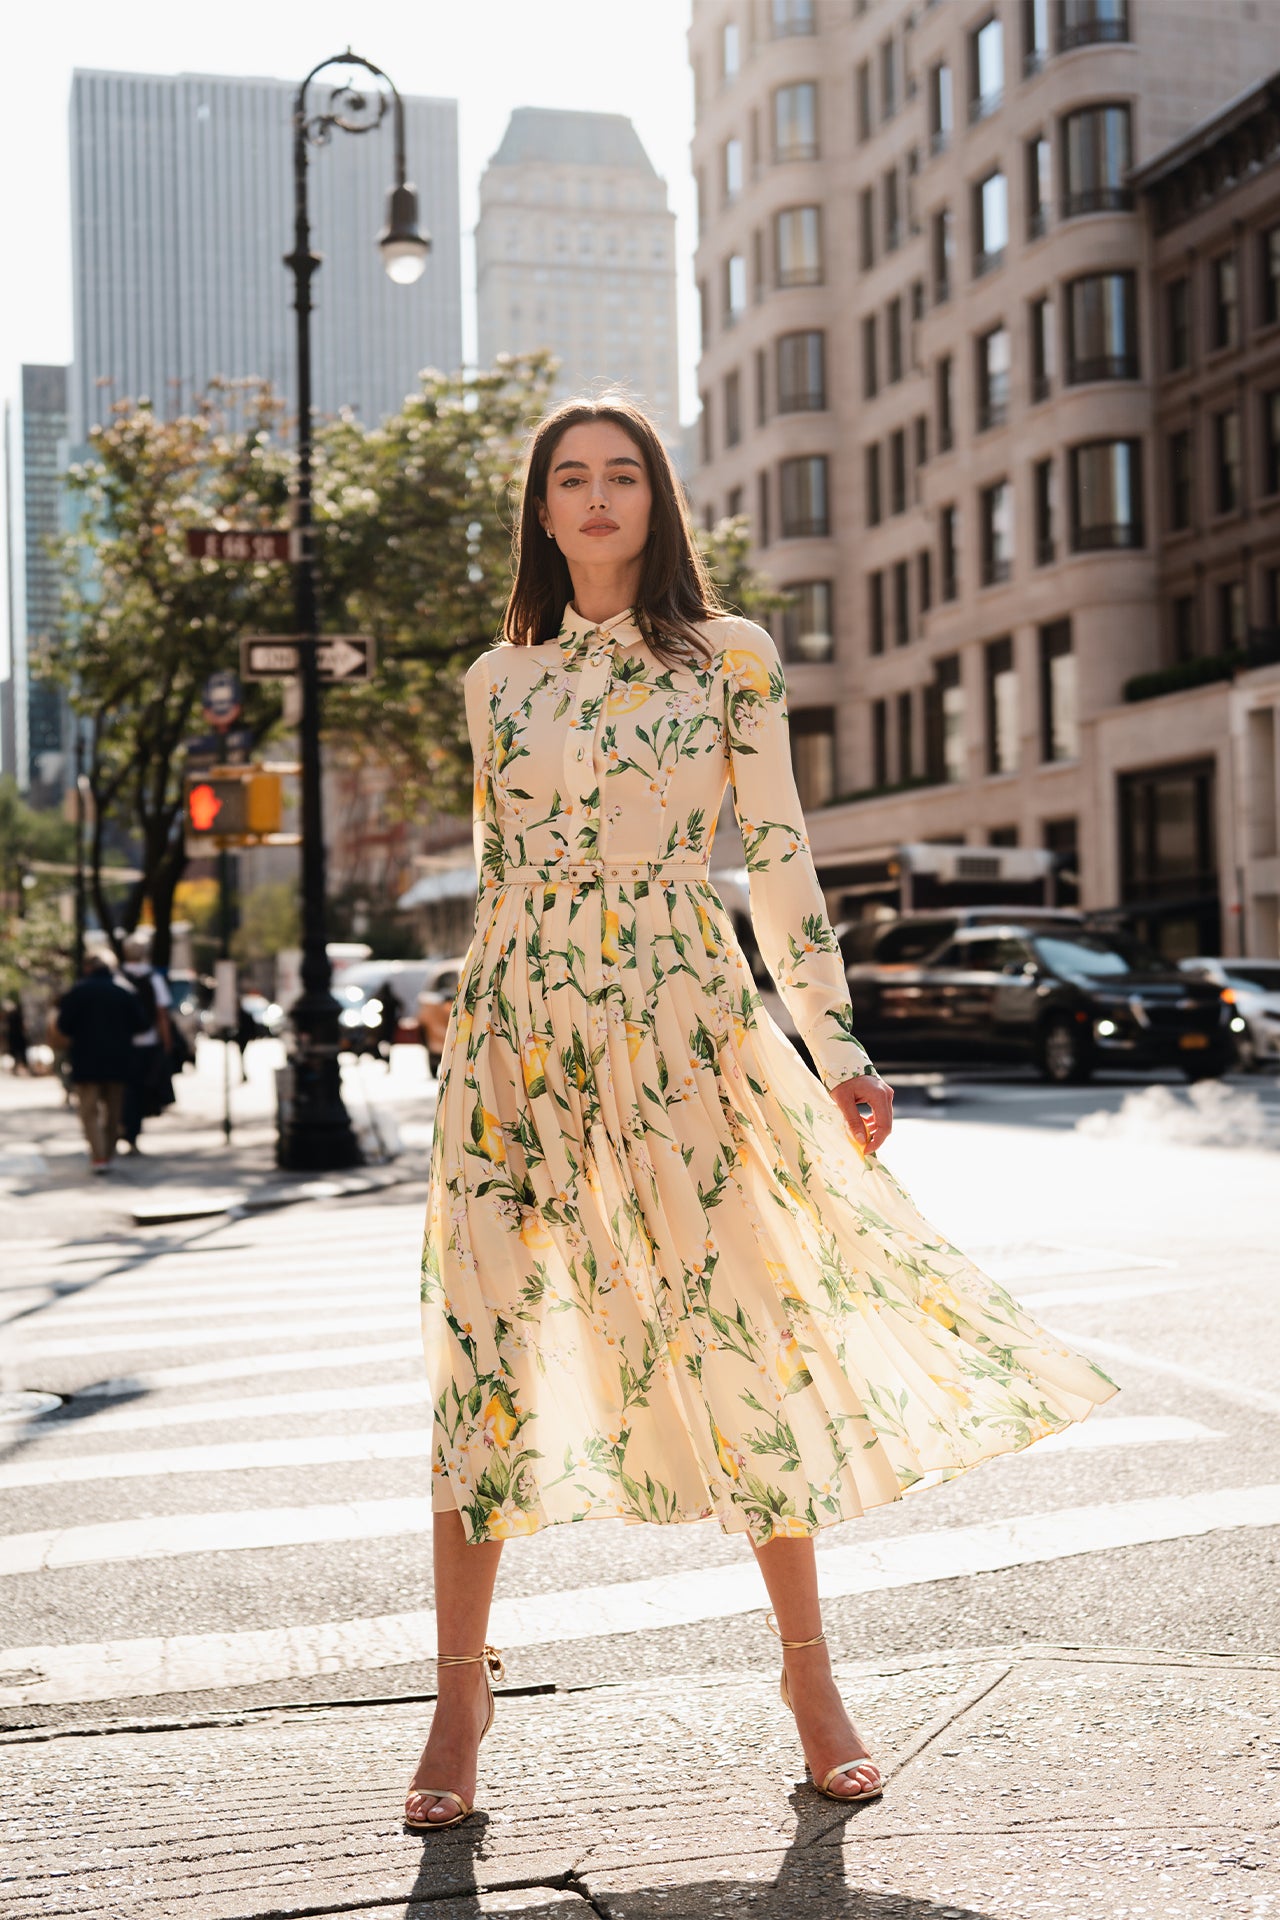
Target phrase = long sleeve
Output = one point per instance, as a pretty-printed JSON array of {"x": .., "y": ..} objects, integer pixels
[
  {"x": 788, "y": 912},
  {"x": 487, "y": 844}
]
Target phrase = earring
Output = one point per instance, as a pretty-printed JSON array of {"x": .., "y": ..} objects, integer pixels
[{"x": 550, "y": 535}]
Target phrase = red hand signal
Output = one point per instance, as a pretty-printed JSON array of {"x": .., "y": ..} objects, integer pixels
[{"x": 204, "y": 807}]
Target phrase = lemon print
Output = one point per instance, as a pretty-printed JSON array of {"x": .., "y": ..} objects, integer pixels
[
  {"x": 747, "y": 669},
  {"x": 625, "y": 700},
  {"x": 789, "y": 1526},
  {"x": 500, "y": 1420},
  {"x": 609, "y": 943},
  {"x": 709, "y": 942},
  {"x": 725, "y": 1455},
  {"x": 534, "y": 1233},
  {"x": 533, "y": 1065},
  {"x": 635, "y": 1038},
  {"x": 491, "y": 1143}
]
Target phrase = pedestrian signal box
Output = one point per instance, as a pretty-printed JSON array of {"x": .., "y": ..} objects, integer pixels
[{"x": 231, "y": 806}]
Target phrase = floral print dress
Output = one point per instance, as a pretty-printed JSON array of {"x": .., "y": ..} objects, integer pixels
[{"x": 659, "y": 1280}]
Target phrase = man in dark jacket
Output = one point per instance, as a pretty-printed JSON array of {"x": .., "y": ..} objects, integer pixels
[{"x": 100, "y": 1017}]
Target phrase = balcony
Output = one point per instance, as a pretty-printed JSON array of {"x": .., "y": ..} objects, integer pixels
[
  {"x": 1046, "y": 550},
  {"x": 984, "y": 263},
  {"x": 1107, "y": 537},
  {"x": 1093, "y": 33},
  {"x": 1096, "y": 200},
  {"x": 985, "y": 104},
  {"x": 1106, "y": 366},
  {"x": 997, "y": 568}
]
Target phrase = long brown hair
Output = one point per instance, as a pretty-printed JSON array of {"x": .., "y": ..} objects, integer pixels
[{"x": 675, "y": 589}]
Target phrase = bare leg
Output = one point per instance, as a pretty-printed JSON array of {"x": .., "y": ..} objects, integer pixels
[
  {"x": 827, "y": 1734},
  {"x": 464, "y": 1579}
]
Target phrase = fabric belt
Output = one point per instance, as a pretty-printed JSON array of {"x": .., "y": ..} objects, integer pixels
[{"x": 592, "y": 872}]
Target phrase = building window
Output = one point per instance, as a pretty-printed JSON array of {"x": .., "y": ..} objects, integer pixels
[
  {"x": 949, "y": 553},
  {"x": 870, "y": 357},
  {"x": 993, "y": 378},
  {"x": 1044, "y": 482},
  {"x": 924, "y": 582},
  {"x": 986, "y": 69},
  {"x": 762, "y": 387},
  {"x": 944, "y": 722},
  {"x": 888, "y": 78},
  {"x": 944, "y": 254},
  {"x": 803, "y": 509},
  {"x": 920, "y": 430},
  {"x": 901, "y": 603},
  {"x": 1059, "y": 715},
  {"x": 1226, "y": 461},
  {"x": 1231, "y": 622},
  {"x": 731, "y": 175},
  {"x": 1035, "y": 35},
  {"x": 1270, "y": 276},
  {"x": 875, "y": 611},
  {"x": 730, "y": 51},
  {"x": 706, "y": 444},
  {"x": 892, "y": 211},
  {"x": 1102, "y": 328},
  {"x": 802, "y": 378},
  {"x": 1168, "y": 851},
  {"x": 1271, "y": 441},
  {"x": 1177, "y": 316},
  {"x": 1180, "y": 480},
  {"x": 704, "y": 314},
  {"x": 795, "y": 122},
  {"x": 898, "y": 471},
  {"x": 880, "y": 743},
  {"x": 1083, "y": 23},
  {"x": 808, "y": 632},
  {"x": 734, "y": 504},
  {"x": 732, "y": 408},
  {"x": 866, "y": 229},
  {"x": 997, "y": 533},
  {"x": 813, "y": 752},
  {"x": 1182, "y": 621},
  {"x": 862, "y": 90},
  {"x": 1106, "y": 495},
  {"x": 906, "y": 737},
  {"x": 1225, "y": 282},
  {"x": 990, "y": 222},
  {"x": 735, "y": 289},
  {"x": 1098, "y": 157},
  {"x": 1061, "y": 838},
  {"x": 757, "y": 263},
  {"x": 893, "y": 341},
  {"x": 941, "y": 108},
  {"x": 1039, "y": 186},
  {"x": 792, "y": 17},
  {"x": 1002, "y": 707},
  {"x": 1040, "y": 314},
  {"x": 946, "y": 404},
  {"x": 797, "y": 246},
  {"x": 764, "y": 528},
  {"x": 875, "y": 503}
]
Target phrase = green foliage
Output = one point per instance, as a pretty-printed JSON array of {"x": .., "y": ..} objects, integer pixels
[
  {"x": 36, "y": 951},
  {"x": 726, "y": 548},
  {"x": 29, "y": 835},
  {"x": 269, "y": 921}
]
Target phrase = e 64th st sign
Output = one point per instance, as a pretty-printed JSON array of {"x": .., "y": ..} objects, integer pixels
[{"x": 342, "y": 660}]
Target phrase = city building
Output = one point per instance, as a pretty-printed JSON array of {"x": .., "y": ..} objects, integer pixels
[
  {"x": 35, "y": 727},
  {"x": 575, "y": 251},
  {"x": 930, "y": 376},
  {"x": 182, "y": 212}
]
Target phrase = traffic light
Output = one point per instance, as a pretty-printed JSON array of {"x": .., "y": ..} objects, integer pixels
[{"x": 234, "y": 805}]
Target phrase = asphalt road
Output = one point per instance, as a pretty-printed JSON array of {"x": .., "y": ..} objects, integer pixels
[{"x": 231, "y": 1501}]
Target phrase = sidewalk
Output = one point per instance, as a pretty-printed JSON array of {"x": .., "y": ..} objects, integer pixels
[
  {"x": 186, "y": 1167},
  {"x": 1066, "y": 1783}
]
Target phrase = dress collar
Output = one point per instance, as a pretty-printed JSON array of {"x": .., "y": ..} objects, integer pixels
[{"x": 574, "y": 630}]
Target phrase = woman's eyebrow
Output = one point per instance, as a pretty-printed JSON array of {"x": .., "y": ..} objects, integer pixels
[{"x": 617, "y": 460}]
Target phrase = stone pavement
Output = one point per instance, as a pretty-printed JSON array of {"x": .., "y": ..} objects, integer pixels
[{"x": 1071, "y": 1783}]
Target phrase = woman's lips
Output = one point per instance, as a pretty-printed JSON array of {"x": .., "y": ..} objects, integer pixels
[{"x": 599, "y": 530}]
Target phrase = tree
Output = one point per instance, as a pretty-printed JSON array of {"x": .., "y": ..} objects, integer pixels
[
  {"x": 144, "y": 625},
  {"x": 29, "y": 839},
  {"x": 726, "y": 548},
  {"x": 269, "y": 921}
]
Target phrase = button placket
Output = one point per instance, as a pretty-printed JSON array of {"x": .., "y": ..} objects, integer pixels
[{"x": 580, "y": 777}]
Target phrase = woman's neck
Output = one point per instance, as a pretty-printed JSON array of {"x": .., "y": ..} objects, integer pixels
[{"x": 599, "y": 601}]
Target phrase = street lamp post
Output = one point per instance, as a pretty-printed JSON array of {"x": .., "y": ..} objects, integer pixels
[{"x": 315, "y": 1130}]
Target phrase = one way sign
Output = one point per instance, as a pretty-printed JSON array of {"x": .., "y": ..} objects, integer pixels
[{"x": 344, "y": 658}]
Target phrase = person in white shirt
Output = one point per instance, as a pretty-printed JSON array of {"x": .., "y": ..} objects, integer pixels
[{"x": 150, "y": 1087}]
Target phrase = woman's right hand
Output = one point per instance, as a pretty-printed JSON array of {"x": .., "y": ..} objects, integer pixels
[{"x": 869, "y": 1130}]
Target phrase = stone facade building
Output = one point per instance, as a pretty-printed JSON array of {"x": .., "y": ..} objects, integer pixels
[
  {"x": 575, "y": 251},
  {"x": 930, "y": 376}
]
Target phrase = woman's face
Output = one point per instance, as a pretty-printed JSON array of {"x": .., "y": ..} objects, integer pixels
[{"x": 598, "y": 496}]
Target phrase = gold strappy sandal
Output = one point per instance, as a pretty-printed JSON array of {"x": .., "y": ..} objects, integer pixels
[
  {"x": 493, "y": 1670},
  {"x": 846, "y": 1766}
]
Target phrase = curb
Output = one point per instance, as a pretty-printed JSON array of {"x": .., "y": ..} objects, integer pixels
[{"x": 270, "y": 1199}]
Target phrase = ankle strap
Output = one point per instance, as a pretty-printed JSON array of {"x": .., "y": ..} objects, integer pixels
[
  {"x": 490, "y": 1655},
  {"x": 771, "y": 1621}
]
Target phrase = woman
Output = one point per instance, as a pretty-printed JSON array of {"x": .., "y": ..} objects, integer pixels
[{"x": 665, "y": 1277}]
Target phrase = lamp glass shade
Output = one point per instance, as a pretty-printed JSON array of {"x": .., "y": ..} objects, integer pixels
[{"x": 404, "y": 250}]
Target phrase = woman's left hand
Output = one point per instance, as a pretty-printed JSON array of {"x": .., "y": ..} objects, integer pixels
[{"x": 869, "y": 1130}]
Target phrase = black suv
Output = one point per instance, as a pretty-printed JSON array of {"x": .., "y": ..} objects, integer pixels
[{"x": 1045, "y": 988}]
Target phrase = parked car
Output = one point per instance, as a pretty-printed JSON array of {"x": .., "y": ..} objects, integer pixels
[
  {"x": 1058, "y": 993},
  {"x": 435, "y": 1003},
  {"x": 1256, "y": 986}
]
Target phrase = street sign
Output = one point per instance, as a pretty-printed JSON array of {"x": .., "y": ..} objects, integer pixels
[
  {"x": 343, "y": 659},
  {"x": 222, "y": 699},
  {"x": 243, "y": 543}
]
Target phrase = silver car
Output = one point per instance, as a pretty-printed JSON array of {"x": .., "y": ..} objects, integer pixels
[{"x": 1256, "y": 1021}]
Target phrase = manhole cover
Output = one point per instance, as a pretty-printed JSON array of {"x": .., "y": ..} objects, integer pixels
[{"x": 27, "y": 1406}]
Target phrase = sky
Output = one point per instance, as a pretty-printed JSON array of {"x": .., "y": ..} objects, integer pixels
[{"x": 490, "y": 56}]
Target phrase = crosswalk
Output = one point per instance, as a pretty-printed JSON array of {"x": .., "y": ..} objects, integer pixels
[{"x": 280, "y": 1471}]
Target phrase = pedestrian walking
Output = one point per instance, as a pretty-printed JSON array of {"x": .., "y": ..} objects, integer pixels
[
  {"x": 15, "y": 1036},
  {"x": 150, "y": 1085},
  {"x": 665, "y": 1275},
  {"x": 99, "y": 1018}
]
